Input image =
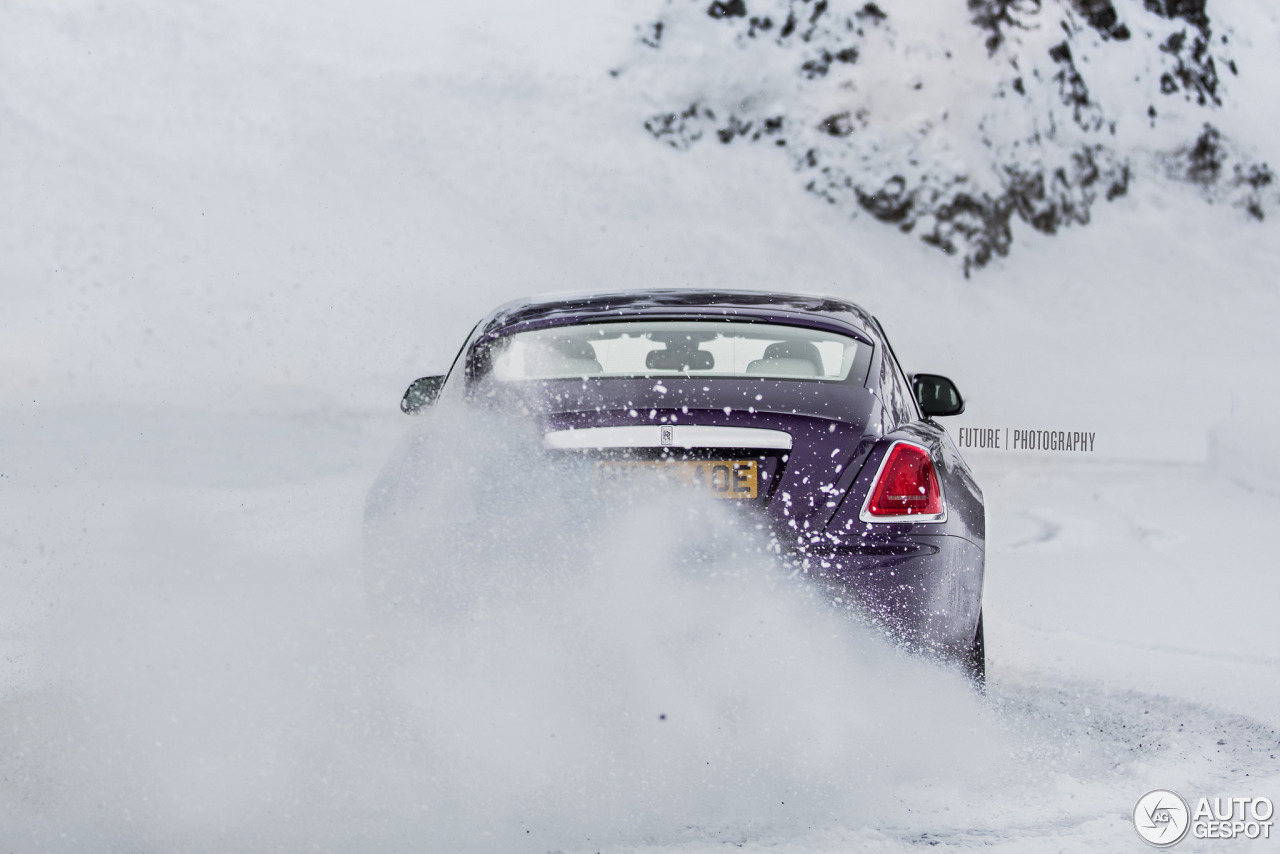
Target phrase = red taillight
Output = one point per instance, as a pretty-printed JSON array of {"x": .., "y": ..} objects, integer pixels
[{"x": 907, "y": 485}]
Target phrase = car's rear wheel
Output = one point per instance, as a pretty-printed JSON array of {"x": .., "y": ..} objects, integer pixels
[{"x": 976, "y": 663}]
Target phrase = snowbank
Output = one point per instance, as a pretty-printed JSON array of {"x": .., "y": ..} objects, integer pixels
[{"x": 1244, "y": 451}]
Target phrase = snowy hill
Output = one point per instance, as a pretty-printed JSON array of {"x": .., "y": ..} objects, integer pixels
[{"x": 948, "y": 121}]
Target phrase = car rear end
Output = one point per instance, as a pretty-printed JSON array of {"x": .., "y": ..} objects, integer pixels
[{"x": 777, "y": 405}]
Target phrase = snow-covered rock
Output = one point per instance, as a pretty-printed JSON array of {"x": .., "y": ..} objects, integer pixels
[{"x": 951, "y": 120}]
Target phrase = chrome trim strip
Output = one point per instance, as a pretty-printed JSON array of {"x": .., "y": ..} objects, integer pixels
[
  {"x": 683, "y": 436},
  {"x": 907, "y": 519}
]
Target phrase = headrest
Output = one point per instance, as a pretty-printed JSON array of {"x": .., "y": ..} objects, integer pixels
[
  {"x": 806, "y": 350},
  {"x": 679, "y": 360}
]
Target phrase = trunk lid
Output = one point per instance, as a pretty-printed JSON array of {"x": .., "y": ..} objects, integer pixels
[{"x": 809, "y": 439}]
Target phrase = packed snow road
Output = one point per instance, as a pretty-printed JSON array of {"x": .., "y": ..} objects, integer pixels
[
  {"x": 234, "y": 230},
  {"x": 187, "y": 665}
]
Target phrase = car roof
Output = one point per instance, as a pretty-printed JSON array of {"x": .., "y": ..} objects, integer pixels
[{"x": 559, "y": 309}]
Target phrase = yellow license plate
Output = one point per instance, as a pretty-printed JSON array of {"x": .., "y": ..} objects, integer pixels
[{"x": 721, "y": 478}]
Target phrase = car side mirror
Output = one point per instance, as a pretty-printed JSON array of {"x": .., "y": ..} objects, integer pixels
[
  {"x": 421, "y": 394},
  {"x": 936, "y": 395}
]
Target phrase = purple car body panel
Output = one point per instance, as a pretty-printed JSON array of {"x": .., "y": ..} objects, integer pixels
[{"x": 922, "y": 581}]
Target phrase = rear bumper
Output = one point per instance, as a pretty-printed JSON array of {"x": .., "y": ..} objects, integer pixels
[{"x": 926, "y": 591}]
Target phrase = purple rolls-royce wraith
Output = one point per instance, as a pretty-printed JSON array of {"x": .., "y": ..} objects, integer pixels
[{"x": 794, "y": 405}]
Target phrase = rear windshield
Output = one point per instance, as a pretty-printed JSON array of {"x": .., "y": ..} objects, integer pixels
[{"x": 659, "y": 348}]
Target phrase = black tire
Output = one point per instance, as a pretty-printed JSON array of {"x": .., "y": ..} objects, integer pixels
[{"x": 976, "y": 664}]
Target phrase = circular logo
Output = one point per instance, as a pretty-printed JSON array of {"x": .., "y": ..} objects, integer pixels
[{"x": 1161, "y": 818}]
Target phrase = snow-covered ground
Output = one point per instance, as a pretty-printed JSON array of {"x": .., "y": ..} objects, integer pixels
[{"x": 233, "y": 232}]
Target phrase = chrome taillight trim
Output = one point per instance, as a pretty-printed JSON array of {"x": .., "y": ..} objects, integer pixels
[
  {"x": 906, "y": 518},
  {"x": 685, "y": 436}
]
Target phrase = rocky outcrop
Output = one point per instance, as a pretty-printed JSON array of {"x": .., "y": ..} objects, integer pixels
[{"x": 1028, "y": 111}]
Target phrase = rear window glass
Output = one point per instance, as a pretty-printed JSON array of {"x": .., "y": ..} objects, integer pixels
[{"x": 678, "y": 348}]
